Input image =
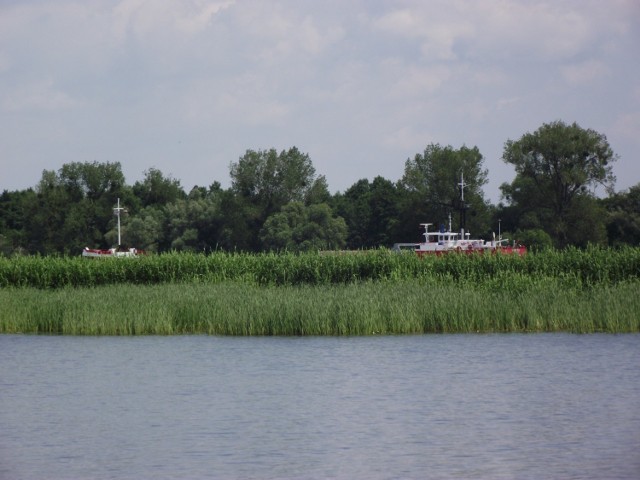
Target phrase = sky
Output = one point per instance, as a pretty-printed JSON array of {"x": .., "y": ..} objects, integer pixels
[{"x": 188, "y": 86}]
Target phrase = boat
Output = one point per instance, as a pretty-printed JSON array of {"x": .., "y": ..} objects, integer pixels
[
  {"x": 116, "y": 252},
  {"x": 111, "y": 252},
  {"x": 445, "y": 241}
]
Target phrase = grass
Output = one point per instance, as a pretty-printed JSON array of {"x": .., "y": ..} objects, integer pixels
[
  {"x": 365, "y": 308},
  {"x": 377, "y": 292},
  {"x": 594, "y": 266}
]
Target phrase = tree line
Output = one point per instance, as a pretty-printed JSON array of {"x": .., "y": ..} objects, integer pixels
[{"x": 277, "y": 201}]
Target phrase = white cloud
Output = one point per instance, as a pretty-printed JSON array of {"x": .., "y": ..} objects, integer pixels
[
  {"x": 362, "y": 83},
  {"x": 38, "y": 95},
  {"x": 430, "y": 23},
  {"x": 584, "y": 72},
  {"x": 417, "y": 82},
  {"x": 401, "y": 22},
  {"x": 503, "y": 29},
  {"x": 628, "y": 125},
  {"x": 488, "y": 76},
  {"x": 5, "y": 63},
  {"x": 151, "y": 19},
  {"x": 546, "y": 30},
  {"x": 507, "y": 103},
  {"x": 406, "y": 137}
]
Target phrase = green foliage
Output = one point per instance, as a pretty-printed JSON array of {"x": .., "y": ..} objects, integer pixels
[
  {"x": 371, "y": 212},
  {"x": 535, "y": 239},
  {"x": 13, "y": 219},
  {"x": 145, "y": 230},
  {"x": 156, "y": 189},
  {"x": 298, "y": 228},
  {"x": 73, "y": 208},
  {"x": 555, "y": 168},
  {"x": 371, "y": 292},
  {"x": 510, "y": 303},
  {"x": 431, "y": 182},
  {"x": 272, "y": 179},
  {"x": 264, "y": 181},
  {"x": 585, "y": 268},
  {"x": 551, "y": 197},
  {"x": 194, "y": 223},
  {"x": 623, "y": 222}
]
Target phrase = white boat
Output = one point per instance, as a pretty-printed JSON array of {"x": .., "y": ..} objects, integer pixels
[
  {"x": 116, "y": 252},
  {"x": 446, "y": 241}
]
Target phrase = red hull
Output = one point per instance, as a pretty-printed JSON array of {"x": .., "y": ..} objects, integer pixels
[{"x": 519, "y": 250}]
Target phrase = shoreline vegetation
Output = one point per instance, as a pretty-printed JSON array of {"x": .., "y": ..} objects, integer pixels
[{"x": 368, "y": 293}]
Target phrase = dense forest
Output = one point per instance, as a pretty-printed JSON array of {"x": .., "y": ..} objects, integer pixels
[{"x": 277, "y": 201}]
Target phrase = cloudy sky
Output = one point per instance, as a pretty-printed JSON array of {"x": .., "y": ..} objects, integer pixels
[{"x": 187, "y": 86}]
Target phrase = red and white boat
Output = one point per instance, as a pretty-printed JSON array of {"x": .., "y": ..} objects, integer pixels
[
  {"x": 111, "y": 252},
  {"x": 447, "y": 241},
  {"x": 117, "y": 252}
]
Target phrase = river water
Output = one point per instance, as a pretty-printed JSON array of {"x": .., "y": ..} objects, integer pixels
[{"x": 428, "y": 406}]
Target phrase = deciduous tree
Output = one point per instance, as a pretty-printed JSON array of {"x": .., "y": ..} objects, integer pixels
[
  {"x": 298, "y": 227},
  {"x": 264, "y": 181},
  {"x": 557, "y": 169},
  {"x": 623, "y": 222},
  {"x": 432, "y": 191}
]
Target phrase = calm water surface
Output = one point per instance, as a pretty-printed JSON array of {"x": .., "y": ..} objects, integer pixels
[{"x": 431, "y": 406}]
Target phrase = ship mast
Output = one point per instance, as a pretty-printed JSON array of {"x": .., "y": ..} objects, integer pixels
[
  {"x": 116, "y": 212},
  {"x": 463, "y": 207}
]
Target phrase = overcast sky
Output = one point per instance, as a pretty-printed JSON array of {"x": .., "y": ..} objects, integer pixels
[{"x": 187, "y": 86}]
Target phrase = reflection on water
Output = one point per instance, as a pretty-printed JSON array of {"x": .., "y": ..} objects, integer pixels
[{"x": 431, "y": 406}]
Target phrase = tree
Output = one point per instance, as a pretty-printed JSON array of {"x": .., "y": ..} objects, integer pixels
[
  {"x": 264, "y": 181},
  {"x": 298, "y": 227},
  {"x": 370, "y": 211},
  {"x": 45, "y": 215},
  {"x": 556, "y": 166},
  {"x": 13, "y": 218},
  {"x": 91, "y": 180},
  {"x": 353, "y": 206},
  {"x": 194, "y": 223},
  {"x": 156, "y": 189},
  {"x": 273, "y": 179},
  {"x": 623, "y": 222},
  {"x": 145, "y": 230},
  {"x": 73, "y": 208},
  {"x": 238, "y": 223},
  {"x": 383, "y": 204},
  {"x": 430, "y": 189},
  {"x": 535, "y": 239}
]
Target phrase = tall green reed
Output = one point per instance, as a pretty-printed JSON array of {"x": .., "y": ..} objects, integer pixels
[{"x": 510, "y": 304}]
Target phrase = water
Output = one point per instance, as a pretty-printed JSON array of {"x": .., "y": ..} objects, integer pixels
[{"x": 429, "y": 406}]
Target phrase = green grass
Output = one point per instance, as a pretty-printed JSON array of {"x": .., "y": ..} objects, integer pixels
[
  {"x": 363, "y": 308},
  {"x": 376, "y": 292},
  {"x": 594, "y": 266}
]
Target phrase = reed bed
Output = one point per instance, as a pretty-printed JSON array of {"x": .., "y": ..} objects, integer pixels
[
  {"x": 373, "y": 292},
  {"x": 520, "y": 303},
  {"x": 585, "y": 268}
]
